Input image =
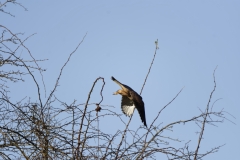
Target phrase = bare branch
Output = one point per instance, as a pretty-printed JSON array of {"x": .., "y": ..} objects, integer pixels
[
  {"x": 205, "y": 117},
  {"x": 60, "y": 74}
]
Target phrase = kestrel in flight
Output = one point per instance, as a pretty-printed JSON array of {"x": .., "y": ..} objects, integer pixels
[{"x": 130, "y": 100}]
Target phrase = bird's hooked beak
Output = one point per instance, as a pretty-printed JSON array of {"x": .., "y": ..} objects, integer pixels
[{"x": 115, "y": 93}]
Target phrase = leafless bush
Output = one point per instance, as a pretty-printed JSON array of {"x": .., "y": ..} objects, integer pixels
[{"x": 53, "y": 129}]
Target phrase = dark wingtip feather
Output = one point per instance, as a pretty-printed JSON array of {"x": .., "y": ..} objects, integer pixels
[
  {"x": 145, "y": 124},
  {"x": 113, "y": 78},
  {"x": 144, "y": 120}
]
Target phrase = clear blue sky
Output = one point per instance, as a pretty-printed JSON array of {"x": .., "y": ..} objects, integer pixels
[{"x": 194, "y": 37}]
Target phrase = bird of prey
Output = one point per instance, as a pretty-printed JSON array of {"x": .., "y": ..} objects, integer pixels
[{"x": 130, "y": 100}]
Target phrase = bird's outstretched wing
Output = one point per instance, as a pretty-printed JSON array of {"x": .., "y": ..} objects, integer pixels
[
  {"x": 116, "y": 81},
  {"x": 139, "y": 104},
  {"x": 127, "y": 106},
  {"x": 123, "y": 86}
]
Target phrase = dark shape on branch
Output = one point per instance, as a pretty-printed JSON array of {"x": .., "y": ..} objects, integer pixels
[{"x": 98, "y": 109}]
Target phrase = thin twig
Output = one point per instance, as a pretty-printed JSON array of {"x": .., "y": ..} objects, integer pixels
[
  {"x": 149, "y": 70},
  {"x": 81, "y": 123},
  {"x": 59, "y": 76},
  {"x": 205, "y": 117}
]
